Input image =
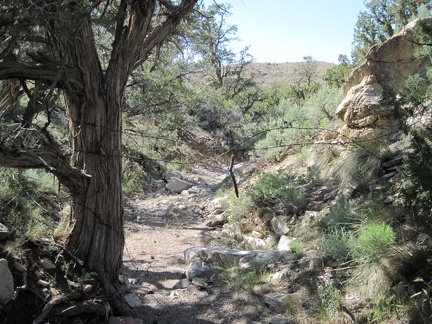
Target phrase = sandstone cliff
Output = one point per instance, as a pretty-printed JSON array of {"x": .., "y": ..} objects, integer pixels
[{"x": 386, "y": 68}]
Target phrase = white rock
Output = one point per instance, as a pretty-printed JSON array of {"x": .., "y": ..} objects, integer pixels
[
  {"x": 285, "y": 243},
  {"x": 279, "y": 225},
  {"x": 256, "y": 234},
  {"x": 87, "y": 288},
  {"x": 4, "y": 232},
  {"x": 43, "y": 283},
  {"x": 254, "y": 243},
  {"x": 279, "y": 276},
  {"x": 194, "y": 190},
  {"x": 177, "y": 185}
]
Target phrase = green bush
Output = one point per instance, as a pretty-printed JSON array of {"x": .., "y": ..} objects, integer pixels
[
  {"x": 374, "y": 241},
  {"x": 417, "y": 189},
  {"x": 338, "y": 244},
  {"x": 340, "y": 216},
  {"x": 297, "y": 247},
  {"x": 278, "y": 190},
  {"x": 237, "y": 208}
]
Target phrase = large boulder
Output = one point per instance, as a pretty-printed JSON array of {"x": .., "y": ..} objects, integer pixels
[
  {"x": 363, "y": 113},
  {"x": 387, "y": 67},
  {"x": 391, "y": 62},
  {"x": 177, "y": 185}
]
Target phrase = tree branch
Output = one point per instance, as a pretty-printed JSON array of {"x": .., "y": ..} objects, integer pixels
[
  {"x": 45, "y": 72},
  {"x": 48, "y": 158}
]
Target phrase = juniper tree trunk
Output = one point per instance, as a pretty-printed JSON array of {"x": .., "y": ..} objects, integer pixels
[
  {"x": 66, "y": 59},
  {"x": 95, "y": 140}
]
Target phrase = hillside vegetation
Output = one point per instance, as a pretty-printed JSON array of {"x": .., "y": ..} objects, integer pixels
[{"x": 334, "y": 175}]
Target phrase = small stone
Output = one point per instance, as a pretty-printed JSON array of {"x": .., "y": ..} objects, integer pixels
[
  {"x": 257, "y": 235},
  {"x": 4, "y": 232},
  {"x": 47, "y": 264},
  {"x": 388, "y": 200},
  {"x": 43, "y": 283},
  {"x": 182, "y": 284},
  {"x": 132, "y": 300},
  {"x": 200, "y": 282},
  {"x": 279, "y": 225},
  {"x": 177, "y": 185},
  {"x": 19, "y": 266},
  {"x": 87, "y": 288},
  {"x": 194, "y": 190},
  {"x": 279, "y": 276}
]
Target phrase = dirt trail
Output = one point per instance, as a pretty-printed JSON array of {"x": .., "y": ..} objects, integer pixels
[{"x": 158, "y": 230}]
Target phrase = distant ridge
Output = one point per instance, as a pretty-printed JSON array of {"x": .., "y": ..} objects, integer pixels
[{"x": 280, "y": 73}]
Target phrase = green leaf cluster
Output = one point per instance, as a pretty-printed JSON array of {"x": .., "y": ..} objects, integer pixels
[
  {"x": 278, "y": 190},
  {"x": 381, "y": 20}
]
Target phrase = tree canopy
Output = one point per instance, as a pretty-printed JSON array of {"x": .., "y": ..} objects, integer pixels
[{"x": 381, "y": 20}]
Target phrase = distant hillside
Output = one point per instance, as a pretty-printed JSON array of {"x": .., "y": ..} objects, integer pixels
[{"x": 270, "y": 73}]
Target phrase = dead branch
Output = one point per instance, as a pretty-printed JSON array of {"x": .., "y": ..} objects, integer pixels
[{"x": 56, "y": 301}]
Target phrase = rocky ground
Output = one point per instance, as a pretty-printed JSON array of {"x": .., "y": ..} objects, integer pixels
[{"x": 158, "y": 230}]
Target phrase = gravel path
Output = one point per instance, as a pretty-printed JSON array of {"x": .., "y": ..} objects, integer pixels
[{"x": 158, "y": 230}]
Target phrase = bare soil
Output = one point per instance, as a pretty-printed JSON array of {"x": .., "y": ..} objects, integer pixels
[{"x": 154, "y": 262}]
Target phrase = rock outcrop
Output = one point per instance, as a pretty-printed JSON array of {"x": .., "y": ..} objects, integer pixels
[
  {"x": 387, "y": 67},
  {"x": 6, "y": 283}
]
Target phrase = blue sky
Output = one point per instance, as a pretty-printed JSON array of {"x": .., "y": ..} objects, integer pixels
[{"x": 287, "y": 30}]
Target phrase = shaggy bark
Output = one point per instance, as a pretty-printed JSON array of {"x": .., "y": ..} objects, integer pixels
[{"x": 94, "y": 100}]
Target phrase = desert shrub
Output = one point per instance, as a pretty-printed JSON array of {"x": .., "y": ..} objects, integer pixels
[
  {"x": 132, "y": 178},
  {"x": 290, "y": 124},
  {"x": 417, "y": 189},
  {"x": 278, "y": 190},
  {"x": 340, "y": 216},
  {"x": 358, "y": 167},
  {"x": 30, "y": 204},
  {"x": 338, "y": 244},
  {"x": 239, "y": 207},
  {"x": 373, "y": 242},
  {"x": 297, "y": 247}
]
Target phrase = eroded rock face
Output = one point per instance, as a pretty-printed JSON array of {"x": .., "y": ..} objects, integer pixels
[
  {"x": 391, "y": 62},
  {"x": 387, "y": 67},
  {"x": 363, "y": 113}
]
